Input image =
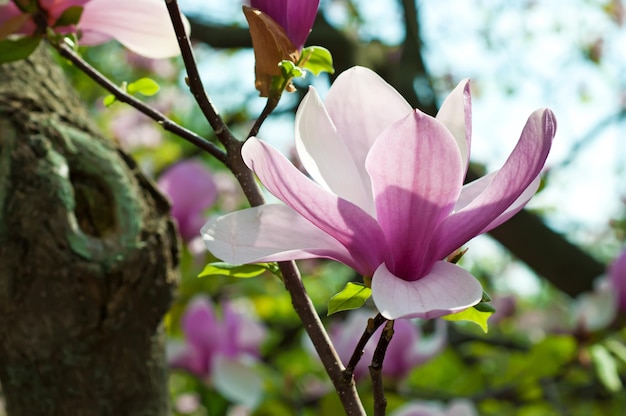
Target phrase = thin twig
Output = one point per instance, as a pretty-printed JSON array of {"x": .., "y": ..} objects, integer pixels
[
  {"x": 376, "y": 370},
  {"x": 194, "y": 81},
  {"x": 123, "y": 96},
  {"x": 372, "y": 326},
  {"x": 270, "y": 106}
]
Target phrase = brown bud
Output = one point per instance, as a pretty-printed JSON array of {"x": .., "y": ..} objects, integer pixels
[{"x": 271, "y": 45}]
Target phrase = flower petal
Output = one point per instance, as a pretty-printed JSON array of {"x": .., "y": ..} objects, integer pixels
[
  {"x": 519, "y": 172},
  {"x": 456, "y": 114},
  {"x": 269, "y": 233},
  {"x": 341, "y": 219},
  {"x": 199, "y": 324},
  {"x": 416, "y": 173},
  {"x": 326, "y": 157},
  {"x": 446, "y": 289},
  {"x": 238, "y": 380},
  {"x": 362, "y": 105},
  {"x": 143, "y": 26}
]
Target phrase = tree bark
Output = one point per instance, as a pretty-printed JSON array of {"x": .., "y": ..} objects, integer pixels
[{"x": 88, "y": 257}]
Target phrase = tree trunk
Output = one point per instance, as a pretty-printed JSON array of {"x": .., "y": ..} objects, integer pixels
[{"x": 88, "y": 257}]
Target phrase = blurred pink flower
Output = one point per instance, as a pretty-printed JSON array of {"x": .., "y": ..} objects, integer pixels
[
  {"x": 459, "y": 407},
  {"x": 617, "y": 279},
  {"x": 387, "y": 195},
  {"x": 408, "y": 347},
  {"x": 295, "y": 16},
  {"x": 142, "y": 26},
  {"x": 223, "y": 351},
  {"x": 190, "y": 186}
]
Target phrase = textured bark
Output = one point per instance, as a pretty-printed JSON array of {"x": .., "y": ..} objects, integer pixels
[{"x": 88, "y": 258}]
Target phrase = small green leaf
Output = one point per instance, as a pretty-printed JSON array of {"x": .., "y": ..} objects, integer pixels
[
  {"x": 242, "y": 271},
  {"x": 472, "y": 315},
  {"x": 316, "y": 60},
  {"x": 484, "y": 307},
  {"x": 290, "y": 70},
  {"x": 70, "y": 16},
  {"x": 144, "y": 86},
  {"x": 16, "y": 49},
  {"x": 352, "y": 296},
  {"x": 606, "y": 368},
  {"x": 109, "y": 100},
  {"x": 617, "y": 348}
]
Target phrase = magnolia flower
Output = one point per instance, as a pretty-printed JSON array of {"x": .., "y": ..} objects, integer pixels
[
  {"x": 617, "y": 278},
  {"x": 386, "y": 195},
  {"x": 278, "y": 29},
  {"x": 222, "y": 351},
  {"x": 296, "y": 17},
  {"x": 143, "y": 26},
  {"x": 190, "y": 186},
  {"x": 459, "y": 407},
  {"x": 408, "y": 347}
]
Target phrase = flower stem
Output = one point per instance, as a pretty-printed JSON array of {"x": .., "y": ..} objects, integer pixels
[
  {"x": 372, "y": 326},
  {"x": 380, "y": 401}
]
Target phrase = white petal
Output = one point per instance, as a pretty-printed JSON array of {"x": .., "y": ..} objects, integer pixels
[
  {"x": 326, "y": 157},
  {"x": 238, "y": 380},
  {"x": 446, "y": 289},
  {"x": 143, "y": 26},
  {"x": 272, "y": 232}
]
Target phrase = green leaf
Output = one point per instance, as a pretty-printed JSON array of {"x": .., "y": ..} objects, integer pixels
[
  {"x": 144, "y": 86},
  {"x": 290, "y": 70},
  {"x": 109, "y": 100},
  {"x": 617, "y": 348},
  {"x": 606, "y": 368},
  {"x": 484, "y": 307},
  {"x": 316, "y": 60},
  {"x": 352, "y": 296},
  {"x": 16, "y": 49},
  {"x": 70, "y": 16},
  {"x": 242, "y": 271},
  {"x": 472, "y": 315}
]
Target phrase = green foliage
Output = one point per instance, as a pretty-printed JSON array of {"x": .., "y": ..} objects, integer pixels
[
  {"x": 16, "y": 49},
  {"x": 474, "y": 315},
  {"x": 317, "y": 60},
  {"x": 144, "y": 86},
  {"x": 352, "y": 296},
  {"x": 70, "y": 16},
  {"x": 606, "y": 368},
  {"x": 241, "y": 271}
]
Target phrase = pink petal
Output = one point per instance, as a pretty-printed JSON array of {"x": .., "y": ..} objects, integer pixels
[
  {"x": 270, "y": 233},
  {"x": 518, "y": 173},
  {"x": 341, "y": 219},
  {"x": 446, "y": 289},
  {"x": 361, "y": 105},
  {"x": 143, "y": 26},
  {"x": 199, "y": 323},
  {"x": 456, "y": 114},
  {"x": 187, "y": 357},
  {"x": 326, "y": 157},
  {"x": 416, "y": 173},
  {"x": 471, "y": 191}
]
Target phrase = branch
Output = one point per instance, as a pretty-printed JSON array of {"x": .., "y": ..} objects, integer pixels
[
  {"x": 193, "y": 77},
  {"x": 121, "y": 95},
  {"x": 376, "y": 370},
  {"x": 372, "y": 326}
]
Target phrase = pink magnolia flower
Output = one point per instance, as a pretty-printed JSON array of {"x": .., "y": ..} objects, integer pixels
[
  {"x": 190, "y": 186},
  {"x": 408, "y": 347},
  {"x": 387, "y": 195},
  {"x": 617, "y": 279},
  {"x": 143, "y": 26},
  {"x": 459, "y": 407},
  {"x": 295, "y": 16},
  {"x": 222, "y": 351}
]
